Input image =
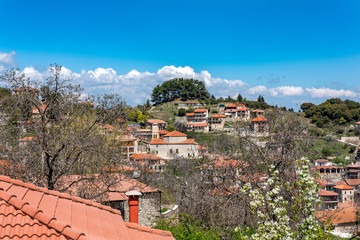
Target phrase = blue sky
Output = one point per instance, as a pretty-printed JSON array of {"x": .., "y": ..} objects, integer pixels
[{"x": 289, "y": 51}]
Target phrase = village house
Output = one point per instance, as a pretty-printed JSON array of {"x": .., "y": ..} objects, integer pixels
[
  {"x": 148, "y": 161},
  {"x": 201, "y": 127},
  {"x": 186, "y": 105},
  {"x": 259, "y": 125},
  {"x": 322, "y": 163},
  {"x": 352, "y": 171},
  {"x": 257, "y": 113},
  {"x": 342, "y": 220},
  {"x": 173, "y": 144},
  {"x": 38, "y": 213},
  {"x": 200, "y": 115},
  {"x": 346, "y": 193},
  {"x": 162, "y": 125},
  {"x": 331, "y": 173},
  {"x": 216, "y": 122},
  {"x": 329, "y": 199},
  {"x": 127, "y": 145}
]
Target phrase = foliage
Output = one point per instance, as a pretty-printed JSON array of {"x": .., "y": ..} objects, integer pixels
[
  {"x": 181, "y": 112},
  {"x": 4, "y": 92},
  {"x": 170, "y": 128},
  {"x": 321, "y": 148},
  {"x": 179, "y": 88},
  {"x": 332, "y": 111}
]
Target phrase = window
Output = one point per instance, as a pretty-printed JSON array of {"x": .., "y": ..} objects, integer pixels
[
  {"x": 177, "y": 151},
  {"x": 171, "y": 151}
]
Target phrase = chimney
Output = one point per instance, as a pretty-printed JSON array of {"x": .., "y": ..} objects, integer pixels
[{"x": 133, "y": 205}]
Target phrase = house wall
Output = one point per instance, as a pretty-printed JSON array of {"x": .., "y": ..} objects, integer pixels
[
  {"x": 175, "y": 139},
  {"x": 163, "y": 150}
]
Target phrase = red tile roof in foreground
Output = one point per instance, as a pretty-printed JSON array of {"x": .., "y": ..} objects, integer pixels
[
  {"x": 30, "y": 212},
  {"x": 175, "y": 134},
  {"x": 259, "y": 119}
]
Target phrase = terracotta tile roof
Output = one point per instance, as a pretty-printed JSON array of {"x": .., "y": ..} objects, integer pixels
[
  {"x": 200, "y": 110},
  {"x": 259, "y": 119},
  {"x": 343, "y": 187},
  {"x": 219, "y": 116},
  {"x": 352, "y": 182},
  {"x": 190, "y": 114},
  {"x": 230, "y": 105},
  {"x": 28, "y": 139},
  {"x": 188, "y": 141},
  {"x": 347, "y": 204},
  {"x": 322, "y": 161},
  {"x": 175, "y": 134},
  {"x": 325, "y": 193},
  {"x": 328, "y": 167},
  {"x": 242, "y": 109},
  {"x": 202, "y": 147},
  {"x": 353, "y": 166},
  {"x": 121, "y": 120},
  {"x": 30, "y": 212},
  {"x": 258, "y": 110},
  {"x": 189, "y": 123},
  {"x": 158, "y": 121},
  {"x": 339, "y": 216},
  {"x": 163, "y": 132},
  {"x": 26, "y": 89},
  {"x": 200, "y": 125},
  {"x": 324, "y": 183},
  {"x": 256, "y": 177},
  {"x": 157, "y": 141},
  {"x": 358, "y": 123},
  {"x": 144, "y": 156},
  {"x": 42, "y": 108}
]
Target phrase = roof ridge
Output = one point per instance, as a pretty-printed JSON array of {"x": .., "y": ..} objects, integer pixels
[
  {"x": 59, "y": 194},
  {"x": 38, "y": 214},
  {"x": 148, "y": 229}
]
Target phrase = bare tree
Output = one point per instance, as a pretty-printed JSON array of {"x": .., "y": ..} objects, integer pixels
[{"x": 54, "y": 131}]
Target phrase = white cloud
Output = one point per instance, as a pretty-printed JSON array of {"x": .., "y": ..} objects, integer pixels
[
  {"x": 286, "y": 91},
  {"x": 329, "y": 93},
  {"x": 6, "y": 60},
  {"x": 257, "y": 90},
  {"x": 34, "y": 74}
]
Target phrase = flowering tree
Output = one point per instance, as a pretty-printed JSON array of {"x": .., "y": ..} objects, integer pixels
[{"x": 274, "y": 213}]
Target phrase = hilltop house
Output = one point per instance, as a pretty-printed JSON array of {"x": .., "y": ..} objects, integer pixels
[{"x": 259, "y": 125}]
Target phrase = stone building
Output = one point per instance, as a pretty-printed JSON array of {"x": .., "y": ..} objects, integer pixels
[
  {"x": 174, "y": 144},
  {"x": 329, "y": 199},
  {"x": 259, "y": 125},
  {"x": 322, "y": 163},
  {"x": 346, "y": 193},
  {"x": 161, "y": 124},
  {"x": 216, "y": 122}
]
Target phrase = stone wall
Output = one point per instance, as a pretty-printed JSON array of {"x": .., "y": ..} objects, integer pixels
[
  {"x": 353, "y": 140},
  {"x": 149, "y": 209},
  {"x": 163, "y": 150}
]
